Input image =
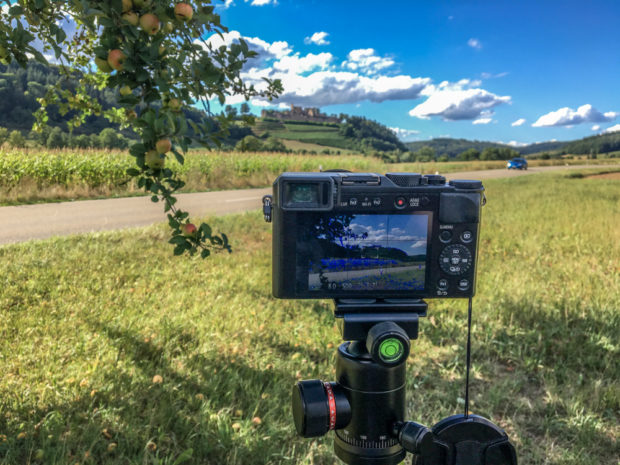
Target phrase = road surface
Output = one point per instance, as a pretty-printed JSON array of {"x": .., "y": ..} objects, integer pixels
[{"x": 26, "y": 222}]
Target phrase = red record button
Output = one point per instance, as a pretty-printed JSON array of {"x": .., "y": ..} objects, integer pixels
[{"x": 400, "y": 202}]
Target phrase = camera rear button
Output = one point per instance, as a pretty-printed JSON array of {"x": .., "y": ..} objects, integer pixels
[
  {"x": 464, "y": 284},
  {"x": 467, "y": 236},
  {"x": 400, "y": 202},
  {"x": 442, "y": 284},
  {"x": 445, "y": 236}
]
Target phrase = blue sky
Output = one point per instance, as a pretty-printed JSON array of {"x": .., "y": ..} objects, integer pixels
[{"x": 516, "y": 71}]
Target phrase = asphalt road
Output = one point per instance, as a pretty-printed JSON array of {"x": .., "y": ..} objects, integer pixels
[{"x": 26, "y": 222}]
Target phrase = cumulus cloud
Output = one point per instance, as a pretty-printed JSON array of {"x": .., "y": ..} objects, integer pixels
[
  {"x": 314, "y": 80},
  {"x": 338, "y": 87},
  {"x": 454, "y": 102},
  {"x": 317, "y": 38},
  {"x": 568, "y": 117},
  {"x": 405, "y": 134},
  {"x": 365, "y": 59},
  {"x": 519, "y": 122},
  {"x": 317, "y": 80},
  {"x": 596, "y": 127},
  {"x": 614, "y": 128},
  {"x": 474, "y": 43}
]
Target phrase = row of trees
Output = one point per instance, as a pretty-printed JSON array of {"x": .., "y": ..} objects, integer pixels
[{"x": 55, "y": 138}]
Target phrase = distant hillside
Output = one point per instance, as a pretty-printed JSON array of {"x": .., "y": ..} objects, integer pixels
[
  {"x": 541, "y": 147},
  {"x": 354, "y": 133},
  {"x": 452, "y": 147},
  {"x": 603, "y": 143}
]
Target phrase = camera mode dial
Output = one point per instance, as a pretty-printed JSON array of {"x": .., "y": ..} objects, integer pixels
[{"x": 455, "y": 260}]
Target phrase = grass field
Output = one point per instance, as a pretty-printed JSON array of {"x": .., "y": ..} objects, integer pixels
[
  {"x": 28, "y": 176},
  {"x": 112, "y": 351}
]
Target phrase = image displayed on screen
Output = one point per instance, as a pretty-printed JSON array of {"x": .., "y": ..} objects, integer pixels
[{"x": 350, "y": 252}]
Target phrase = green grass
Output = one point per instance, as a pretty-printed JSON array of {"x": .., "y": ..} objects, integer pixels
[{"x": 91, "y": 323}]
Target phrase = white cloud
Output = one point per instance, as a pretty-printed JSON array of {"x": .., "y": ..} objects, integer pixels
[
  {"x": 338, "y": 87},
  {"x": 514, "y": 143},
  {"x": 365, "y": 60},
  {"x": 493, "y": 76},
  {"x": 316, "y": 80},
  {"x": 614, "y": 128},
  {"x": 519, "y": 122},
  {"x": 295, "y": 63},
  {"x": 568, "y": 117},
  {"x": 474, "y": 43},
  {"x": 261, "y": 2},
  {"x": 485, "y": 120},
  {"x": 317, "y": 38},
  {"x": 405, "y": 134},
  {"x": 454, "y": 102},
  {"x": 227, "y": 4},
  {"x": 596, "y": 127}
]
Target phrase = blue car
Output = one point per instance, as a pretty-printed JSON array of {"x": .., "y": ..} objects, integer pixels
[{"x": 517, "y": 164}]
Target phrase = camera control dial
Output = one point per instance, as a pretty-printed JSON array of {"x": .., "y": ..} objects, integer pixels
[{"x": 455, "y": 259}]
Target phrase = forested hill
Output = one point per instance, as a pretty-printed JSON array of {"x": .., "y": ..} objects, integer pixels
[
  {"x": 453, "y": 147},
  {"x": 21, "y": 87},
  {"x": 602, "y": 143}
]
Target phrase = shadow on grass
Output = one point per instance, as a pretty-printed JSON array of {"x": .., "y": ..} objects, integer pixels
[{"x": 151, "y": 408}]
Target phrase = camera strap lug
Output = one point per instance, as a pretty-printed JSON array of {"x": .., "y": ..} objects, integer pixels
[{"x": 267, "y": 208}]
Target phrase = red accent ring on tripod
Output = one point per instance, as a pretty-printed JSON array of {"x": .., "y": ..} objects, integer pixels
[{"x": 331, "y": 400}]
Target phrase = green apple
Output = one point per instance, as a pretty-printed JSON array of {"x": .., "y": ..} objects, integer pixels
[
  {"x": 154, "y": 160},
  {"x": 103, "y": 65},
  {"x": 174, "y": 104},
  {"x": 131, "y": 17},
  {"x": 125, "y": 90},
  {"x": 127, "y": 5},
  {"x": 139, "y": 4}
]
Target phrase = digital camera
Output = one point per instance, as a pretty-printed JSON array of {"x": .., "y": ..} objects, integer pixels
[{"x": 342, "y": 235}]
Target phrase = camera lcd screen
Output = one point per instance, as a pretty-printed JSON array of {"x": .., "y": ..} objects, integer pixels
[{"x": 365, "y": 252}]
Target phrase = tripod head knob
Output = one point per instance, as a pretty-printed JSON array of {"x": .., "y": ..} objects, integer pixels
[
  {"x": 415, "y": 438},
  {"x": 319, "y": 407},
  {"x": 388, "y": 344}
]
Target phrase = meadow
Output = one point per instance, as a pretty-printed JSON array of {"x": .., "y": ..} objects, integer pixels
[
  {"x": 113, "y": 351},
  {"x": 39, "y": 175}
]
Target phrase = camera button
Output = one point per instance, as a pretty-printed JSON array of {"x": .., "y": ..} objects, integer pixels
[
  {"x": 445, "y": 236},
  {"x": 400, "y": 202},
  {"x": 353, "y": 201},
  {"x": 376, "y": 202},
  {"x": 442, "y": 284},
  {"x": 464, "y": 284},
  {"x": 467, "y": 236}
]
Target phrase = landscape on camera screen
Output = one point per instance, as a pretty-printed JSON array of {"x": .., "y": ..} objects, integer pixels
[{"x": 352, "y": 252}]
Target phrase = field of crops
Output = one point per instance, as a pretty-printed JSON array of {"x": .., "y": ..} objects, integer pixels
[
  {"x": 46, "y": 175},
  {"x": 112, "y": 351}
]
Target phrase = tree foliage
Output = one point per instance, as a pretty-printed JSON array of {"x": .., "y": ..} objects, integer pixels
[{"x": 156, "y": 55}]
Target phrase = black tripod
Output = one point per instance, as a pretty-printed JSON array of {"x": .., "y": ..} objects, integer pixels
[{"x": 366, "y": 405}]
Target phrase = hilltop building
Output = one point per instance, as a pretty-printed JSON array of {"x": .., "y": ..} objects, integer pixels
[{"x": 313, "y": 115}]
